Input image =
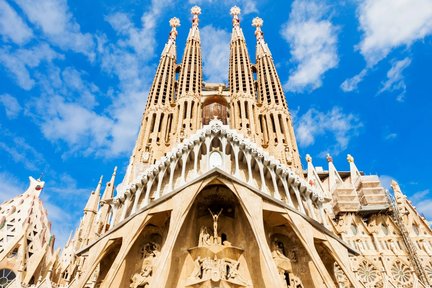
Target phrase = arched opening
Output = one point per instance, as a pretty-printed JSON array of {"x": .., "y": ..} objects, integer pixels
[
  {"x": 201, "y": 157},
  {"x": 333, "y": 268},
  {"x": 289, "y": 255},
  {"x": 255, "y": 171},
  {"x": 143, "y": 255},
  {"x": 221, "y": 248},
  {"x": 108, "y": 259}
]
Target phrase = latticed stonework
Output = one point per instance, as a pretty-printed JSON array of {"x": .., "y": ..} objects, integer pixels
[{"x": 215, "y": 196}]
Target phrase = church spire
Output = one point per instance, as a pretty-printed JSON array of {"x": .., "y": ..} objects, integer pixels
[
  {"x": 190, "y": 81},
  {"x": 274, "y": 119},
  {"x": 156, "y": 124},
  {"x": 105, "y": 209},
  {"x": 88, "y": 221},
  {"x": 241, "y": 81},
  {"x": 93, "y": 201}
]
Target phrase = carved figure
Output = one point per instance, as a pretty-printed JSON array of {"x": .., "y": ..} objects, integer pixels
[
  {"x": 198, "y": 270},
  {"x": 282, "y": 262},
  {"x": 215, "y": 219},
  {"x": 204, "y": 237},
  {"x": 150, "y": 252},
  {"x": 207, "y": 265},
  {"x": 142, "y": 279},
  {"x": 232, "y": 269}
]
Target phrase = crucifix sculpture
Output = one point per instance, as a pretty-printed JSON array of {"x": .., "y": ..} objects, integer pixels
[{"x": 215, "y": 219}]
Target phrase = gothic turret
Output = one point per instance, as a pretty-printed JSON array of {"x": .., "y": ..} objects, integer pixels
[
  {"x": 190, "y": 82},
  {"x": 26, "y": 242},
  {"x": 105, "y": 206},
  {"x": 241, "y": 81},
  {"x": 274, "y": 118},
  {"x": 87, "y": 227}
]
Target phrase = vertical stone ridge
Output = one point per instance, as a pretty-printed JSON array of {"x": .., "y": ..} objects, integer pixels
[
  {"x": 190, "y": 82},
  {"x": 241, "y": 81},
  {"x": 274, "y": 118},
  {"x": 155, "y": 132}
]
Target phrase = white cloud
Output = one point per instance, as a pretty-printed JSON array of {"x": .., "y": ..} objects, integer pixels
[
  {"x": 21, "y": 151},
  {"x": 79, "y": 127},
  {"x": 12, "y": 26},
  {"x": 11, "y": 106},
  {"x": 391, "y": 136},
  {"x": 387, "y": 24},
  {"x": 386, "y": 181},
  {"x": 10, "y": 186},
  {"x": 215, "y": 53},
  {"x": 351, "y": 84},
  {"x": 423, "y": 203},
  {"x": 58, "y": 24},
  {"x": 21, "y": 60},
  {"x": 395, "y": 80},
  {"x": 418, "y": 196},
  {"x": 313, "y": 41},
  {"x": 334, "y": 124},
  {"x": 68, "y": 111}
]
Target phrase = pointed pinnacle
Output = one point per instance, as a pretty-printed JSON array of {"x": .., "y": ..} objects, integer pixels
[{"x": 98, "y": 187}]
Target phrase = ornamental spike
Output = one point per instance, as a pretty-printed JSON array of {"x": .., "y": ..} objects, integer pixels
[
  {"x": 235, "y": 11},
  {"x": 258, "y": 22},
  {"x": 195, "y": 10}
]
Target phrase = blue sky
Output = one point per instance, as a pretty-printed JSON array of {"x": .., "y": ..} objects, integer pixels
[{"x": 74, "y": 77}]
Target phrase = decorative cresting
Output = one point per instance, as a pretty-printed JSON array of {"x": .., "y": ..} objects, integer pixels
[{"x": 218, "y": 146}]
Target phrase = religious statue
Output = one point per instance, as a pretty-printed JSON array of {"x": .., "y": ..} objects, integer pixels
[
  {"x": 198, "y": 270},
  {"x": 282, "y": 262},
  {"x": 204, "y": 237},
  {"x": 149, "y": 253},
  {"x": 215, "y": 219},
  {"x": 214, "y": 261}
]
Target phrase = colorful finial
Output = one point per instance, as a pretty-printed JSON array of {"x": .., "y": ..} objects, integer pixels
[
  {"x": 174, "y": 23},
  {"x": 195, "y": 10},
  {"x": 235, "y": 11},
  {"x": 329, "y": 158},
  {"x": 350, "y": 158},
  {"x": 258, "y": 23},
  {"x": 308, "y": 158}
]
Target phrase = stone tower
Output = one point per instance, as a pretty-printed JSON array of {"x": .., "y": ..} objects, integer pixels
[
  {"x": 26, "y": 243},
  {"x": 215, "y": 195}
]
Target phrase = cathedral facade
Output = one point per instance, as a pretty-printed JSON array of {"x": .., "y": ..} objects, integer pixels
[{"x": 215, "y": 195}]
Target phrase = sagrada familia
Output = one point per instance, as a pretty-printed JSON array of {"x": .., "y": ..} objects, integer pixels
[{"x": 215, "y": 195}]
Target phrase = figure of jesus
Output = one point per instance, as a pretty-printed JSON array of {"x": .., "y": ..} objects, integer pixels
[{"x": 215, "y": 219}]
